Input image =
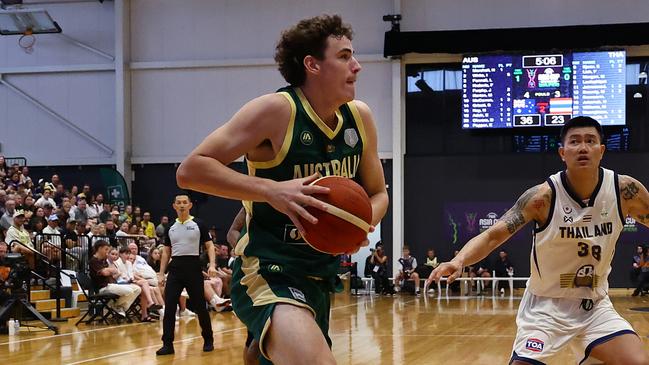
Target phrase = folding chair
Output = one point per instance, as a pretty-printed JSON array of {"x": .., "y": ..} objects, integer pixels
[{"x": 97, "y": 302}]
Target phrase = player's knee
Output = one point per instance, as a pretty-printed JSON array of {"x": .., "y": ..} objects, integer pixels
[{"x": 638, "y": 358}]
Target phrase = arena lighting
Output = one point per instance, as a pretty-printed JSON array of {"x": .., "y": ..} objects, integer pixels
[{"x": 17, "y": 21}]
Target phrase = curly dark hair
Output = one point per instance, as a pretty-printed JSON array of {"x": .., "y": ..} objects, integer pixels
[{"x": 308, "y": 37}]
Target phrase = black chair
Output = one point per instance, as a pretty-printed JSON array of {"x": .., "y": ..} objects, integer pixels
[{"x": 98, "y": 308}]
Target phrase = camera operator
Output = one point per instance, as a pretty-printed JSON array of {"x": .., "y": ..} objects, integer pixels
[{"x": 380, "y": 270}]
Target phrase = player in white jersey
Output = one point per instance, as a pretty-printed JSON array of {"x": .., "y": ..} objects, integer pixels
[{"x": 578, "y": 214}]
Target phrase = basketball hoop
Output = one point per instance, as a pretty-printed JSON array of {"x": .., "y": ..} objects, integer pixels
[{"x": 27, "y": 41}]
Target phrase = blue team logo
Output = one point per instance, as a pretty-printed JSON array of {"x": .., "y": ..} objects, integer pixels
[{"x": 534, "y": 345}]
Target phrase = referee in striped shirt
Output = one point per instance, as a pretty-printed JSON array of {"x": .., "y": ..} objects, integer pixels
[{"x": 183, "y": 240}]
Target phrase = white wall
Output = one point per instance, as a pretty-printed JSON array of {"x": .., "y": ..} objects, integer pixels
[
  {"x": 421, "y": 15},
  {"x": 230, "y": 46}
]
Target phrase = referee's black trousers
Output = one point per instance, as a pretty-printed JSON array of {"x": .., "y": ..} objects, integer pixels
[{"x": 185, "y": 273}]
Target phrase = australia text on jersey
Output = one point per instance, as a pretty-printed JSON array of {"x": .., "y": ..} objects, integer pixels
[{"x": 345, "y": 168}]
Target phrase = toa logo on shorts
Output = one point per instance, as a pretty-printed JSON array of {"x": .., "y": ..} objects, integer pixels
[{"x": 534, "y": 344}]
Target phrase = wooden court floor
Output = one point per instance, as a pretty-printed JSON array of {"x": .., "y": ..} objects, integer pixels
[{"x": 365, "y": 330}]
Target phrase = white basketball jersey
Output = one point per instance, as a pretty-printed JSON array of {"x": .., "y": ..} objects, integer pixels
[{"x": 571, "y": 254}]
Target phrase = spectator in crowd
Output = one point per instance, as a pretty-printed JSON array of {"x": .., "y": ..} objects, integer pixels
[
  {"x": 104, "y": 215},
  {"x": 59, "y": 194},
  {"x": 17, "y": 232},
  {"x": 430, "y": 263},
  {"x": 94, "y": 207},
  {"x": 80, "y": 213},
  {"x": 503, "y": 269},
  {"x": 149, "y": 228},
  {"x": 74, "y": 191},
  {"x": 104, "y": 276},
  {"x": 128, "y": 275},
  {"x": 643, "y": 279},
  {"x": 407, "y": 271},
  {"x": 86, "y": 191},
  {"x": 25, "y": 178},
  {"x": 127, "y": 216},
  {"x": 52, "y": 225},
  {"x": 55, "y": 180},
  {"x": 38, "y": 217},
  {"x": 3, "y": 251},
  {"x": 160, "y": 229},
  {"x": 28, "y": 203},
  {"x": 3, "y": 167},
  {"x": 153, "y": 258},
  {"x": 114, "y": 216},
  {"x": 635, "y": 268},
  {"x": 47, "y": 196},
  {"x": 13, "y": 181},
  {"x": 113, "y": 256},
  {"x": 7, "y": 218},
  {"x": 379, "y": 270},
  {"x": 123, "y": 230},
  {"x": 70, "y": 236}
]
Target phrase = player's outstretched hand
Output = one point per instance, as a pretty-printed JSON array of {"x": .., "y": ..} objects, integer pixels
[
  {"x": 292, "y": 196},
  {"x": 452, "y": 269}
]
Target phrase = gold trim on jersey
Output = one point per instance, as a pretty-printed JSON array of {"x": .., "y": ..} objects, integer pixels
[
  {"x": 359, "y": 123},
  {"x": 260, "y": 292},
  {"x": 286, "y": 144},
  {"x": 316, "y": 119}
]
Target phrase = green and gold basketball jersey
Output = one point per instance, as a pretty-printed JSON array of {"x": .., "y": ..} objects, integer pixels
[{"x": 309, "y": 146}]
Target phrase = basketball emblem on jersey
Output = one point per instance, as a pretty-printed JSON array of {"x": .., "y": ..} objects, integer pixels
[
  {"x": 307, "y": 138},
  {"x": 584, "y": 276},
  {"x": 351, "y": 138}
]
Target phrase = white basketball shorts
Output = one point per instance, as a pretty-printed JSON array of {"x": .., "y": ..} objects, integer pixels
[{"x": 546, "y": 325}]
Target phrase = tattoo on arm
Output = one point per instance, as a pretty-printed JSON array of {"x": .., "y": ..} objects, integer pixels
[
  {"x": 629, "y": 191},
  {"x": 644, "y": 219},
  {"x": 514, "y": 218}
]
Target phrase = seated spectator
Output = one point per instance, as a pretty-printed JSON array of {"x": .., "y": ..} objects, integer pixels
[
  {"x": 7, "y": 218},
  {"x": 223, "y": 271},
  {"x": 379, "y": 270},
  {"x": 59, "y": 194},
  {"x": 643, "y": 279},
  {"x": 104, "y": 277},
  {"x": 127, "y": 216},
  {"x": 4, "y": 249},
  {"x": 146, "y": 273},
  {"x": 429, "y": 265},
  {"x": 104, "y": 215},
  {"x": 80, "y": 213},
  {"x": 635, "y": 268},
  {"x": 149, "y": 228},
  {"x": 407, "y": 271},
  {"x": 47, "y": 196},
  {"x": 153, "y": 258},
  {"x": 160, "y": 229},
  {"x": 18, "y": 233},
  {"x": 503, "y": 269},
  {"x": 127, "y": 276},
  {"x": 51, "y": 237},
  {"x": 38, "y": 217}
]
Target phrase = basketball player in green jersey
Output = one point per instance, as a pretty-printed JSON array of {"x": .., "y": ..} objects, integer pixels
[{"x": 314, "y": 127}]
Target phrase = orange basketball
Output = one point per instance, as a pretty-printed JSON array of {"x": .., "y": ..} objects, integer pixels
[{"x": 347, "y": 220}]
